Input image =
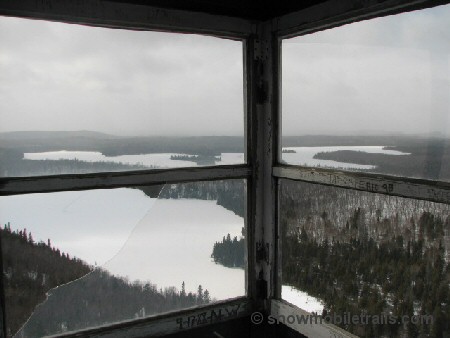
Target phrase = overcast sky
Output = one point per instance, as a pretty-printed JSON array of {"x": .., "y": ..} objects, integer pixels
[
  {"x": 380, "y": 76},
  {"x": 69, "y": 77},
  {"x": 386, "y": 75}
]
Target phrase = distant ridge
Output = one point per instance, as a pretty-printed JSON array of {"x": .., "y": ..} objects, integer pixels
[{"x": 13, "y": 135}]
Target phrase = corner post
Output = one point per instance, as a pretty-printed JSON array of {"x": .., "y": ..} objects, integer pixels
[{"x": 264, "y": 50}]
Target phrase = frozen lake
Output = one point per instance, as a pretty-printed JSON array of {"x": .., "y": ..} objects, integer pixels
[
  {"x": 305, "y": 156},
  {"x": 302, "y": 156},
  {"x": 164, "y": 241},
  {"x": 173, "y": 243},
  {"x": 91, "y": 225},
  {"x": 161, "y": 160}
]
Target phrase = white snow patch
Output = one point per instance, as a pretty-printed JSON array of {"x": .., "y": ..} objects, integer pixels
[
  {"x": 301, "y": 299},
  {"x": 231, "y": 158}
]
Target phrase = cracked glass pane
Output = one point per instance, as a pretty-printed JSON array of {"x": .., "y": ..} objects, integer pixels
[{"x": 77, "y": 260}]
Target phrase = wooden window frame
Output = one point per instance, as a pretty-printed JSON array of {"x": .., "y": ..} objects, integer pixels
[
  {"x": 135, "y": 17},
  {"x": 262, "y": 109},
  {"x": 315, "y": 19}
]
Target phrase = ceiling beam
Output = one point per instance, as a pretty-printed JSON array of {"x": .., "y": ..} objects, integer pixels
[
  {"x": 128, "y": 16},
  {"x": 335, "y": 13}
]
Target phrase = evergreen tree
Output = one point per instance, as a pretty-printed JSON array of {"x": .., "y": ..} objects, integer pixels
[{"x": 200, "y": 295}]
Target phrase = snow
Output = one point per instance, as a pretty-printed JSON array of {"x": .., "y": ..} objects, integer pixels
[
  {"x": 304, "y": 156},
  {"x": 164, "y": 241},
  {"x": 301, "y": 299},
  {"x": 231, "y": 158},
  {"x": 161, "y": 160},
  {"x": 76, "y": 221},
  {"x": 173, "y": 243}
]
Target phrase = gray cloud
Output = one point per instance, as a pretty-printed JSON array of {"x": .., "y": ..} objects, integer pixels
[
  {"x": 68, "y": 77},
  {"x": 387, "y": 75},
  {"x": 383, "y": 75}
]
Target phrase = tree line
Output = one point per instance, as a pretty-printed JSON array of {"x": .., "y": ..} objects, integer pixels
[
  {"x": 230, "y": 252},
  {"x": 361, "y": 276},
  {"x": 228, "y": 193},
  {"x": 30, "y": 270},
  {"x": 368, "y": 254},
  {"x": 100, "y": 298},
  {"x": 427, "y": 159},
  {"x": 72, "y": 294},
  {"x": 12, "y": 163}
]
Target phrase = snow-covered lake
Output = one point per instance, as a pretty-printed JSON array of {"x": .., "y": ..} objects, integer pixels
[
  {"x": 231, "y": 158},
  {"x": 161, "y": 160},
  {"x": 164, "y": 241},
  {"x": 305, "y": 156},
  {"x": 302, "y": 156},
  {"x": 173, "y": 243},
  {"x": 92, "y": 225}
]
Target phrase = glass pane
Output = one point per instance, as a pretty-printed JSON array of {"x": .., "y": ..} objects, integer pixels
[
  {"x": 96, "y": 257},
  {"x": 371, "y": 96},
  {"x": 380, "y": 258},
  {"x": 78, "y": 99}
]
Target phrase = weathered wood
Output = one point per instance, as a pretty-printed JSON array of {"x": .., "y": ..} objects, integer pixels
[
  {"x": 160, "y": 325},
  {"x": 41, "y": 184},
  {"x": 264, "y": 96},
  {"x": 339, "y": 12},
  {"x": 250, "y": 144},
  {"x": 294, "y": 318},
  {"x": 232, "y": 328},
  {"x": 3, "y": 331},
  {"x": 252, "y": 159},
  {"x": 434, "y": 191},
  {"x": 122, "y": 15},
  {"x": 277, "y": 154}
]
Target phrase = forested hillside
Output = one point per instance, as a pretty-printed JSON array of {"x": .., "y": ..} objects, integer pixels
[
  {"x": 368, "y": 253},
  {"x": 61, "y": 293},
  {"x": 424, "y": 158},
  {"x": 363, "y": 253},
  {"x": 30, "y": 270},
  {"x": 228, "y": 193},
  {"x": 100, "y": 298}
]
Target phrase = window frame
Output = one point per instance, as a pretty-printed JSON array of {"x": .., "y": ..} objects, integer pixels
[
  {"x": 262, "y": 116},
  {"x": 135, "y": 17},
  {"x": 311, "y": 21}
]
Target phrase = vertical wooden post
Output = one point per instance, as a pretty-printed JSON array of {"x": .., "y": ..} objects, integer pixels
[
  {"x": 2, "y": 295},
  {"x": 263, "y": 49}
]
